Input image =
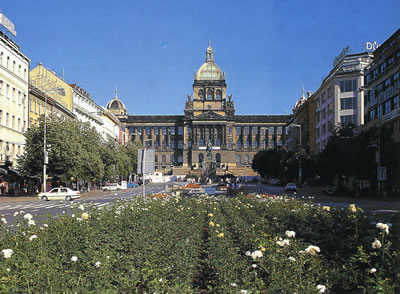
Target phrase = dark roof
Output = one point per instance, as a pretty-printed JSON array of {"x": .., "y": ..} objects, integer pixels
[
  {"x": 262, "y": 118},
  {"x": 153, "y": 119}
]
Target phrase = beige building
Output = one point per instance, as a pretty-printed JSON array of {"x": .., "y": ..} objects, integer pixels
[{"x": 14, "y": 68}]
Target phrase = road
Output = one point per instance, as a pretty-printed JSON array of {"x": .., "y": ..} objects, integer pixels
[
  {"x": 36, "y": 206},
  {"x": 316, "y": 195}
]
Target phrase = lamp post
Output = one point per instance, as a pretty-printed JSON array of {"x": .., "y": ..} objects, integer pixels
[
  {"x": 300, "y": 171},
  {"x": 60, "y": 91}
]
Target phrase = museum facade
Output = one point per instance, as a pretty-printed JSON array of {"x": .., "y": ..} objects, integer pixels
[{"x": 180, "y": 141}]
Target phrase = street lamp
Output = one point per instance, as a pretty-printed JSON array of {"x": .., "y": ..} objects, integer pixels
[
  {"x": 60, "y": 91},
  {"x": 300, "y": 171}
]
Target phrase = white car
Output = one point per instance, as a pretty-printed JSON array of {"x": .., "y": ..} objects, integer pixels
[
  {"x": 111, "y": 187},
  {"x": 60, "y": 193},
  {"x": 290, "y": 187}
]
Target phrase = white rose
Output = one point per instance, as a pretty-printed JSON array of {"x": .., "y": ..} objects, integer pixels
[
  {"x": 32, "y": 237},
  {"x": 7, "y": 253},
  {"x": 376, "y": 244},
  {"x": 74, "y": 258},
  {"x": 290, "y": 234}
]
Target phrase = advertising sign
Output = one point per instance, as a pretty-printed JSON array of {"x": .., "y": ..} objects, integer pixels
[{"x": 7, "y": 24}]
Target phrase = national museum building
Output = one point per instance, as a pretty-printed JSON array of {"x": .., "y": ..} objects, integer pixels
[{"x": 180, "y": 141}]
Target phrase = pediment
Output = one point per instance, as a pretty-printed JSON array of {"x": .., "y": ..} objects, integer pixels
[{"x": 209, "y": 115}]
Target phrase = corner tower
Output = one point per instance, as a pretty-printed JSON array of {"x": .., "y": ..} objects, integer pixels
[{"x": 209, "y": 89}]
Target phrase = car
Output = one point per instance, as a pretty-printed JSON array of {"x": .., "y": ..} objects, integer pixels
[
  {"x": 111, "y": 187},
  {"x": 290, "y": 187},
  {"x": 331, "y": 190},
  {"x": 132, "y": 185},
  {"x": 222, "y": 187},
  {"x": 60, "y": 193}
]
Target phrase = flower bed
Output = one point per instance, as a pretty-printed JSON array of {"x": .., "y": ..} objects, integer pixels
[{"x": 205, "y": 244}]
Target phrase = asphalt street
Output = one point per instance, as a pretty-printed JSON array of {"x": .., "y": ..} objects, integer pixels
[{"x": 35, "y": 206}]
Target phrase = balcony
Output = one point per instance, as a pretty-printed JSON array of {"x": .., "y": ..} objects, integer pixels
[{"x": 388, "y": 93}]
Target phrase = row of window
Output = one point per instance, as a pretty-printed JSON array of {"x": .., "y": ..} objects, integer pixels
[
  {"x": 386, "y": 107},
  {"x": 16, "y": 96},
  {"x": 19, "y": 70},
  {"x": 12, "y": 123},
  {"x": 239, "y": 130},
  {"x": 324, "y": 129},
  {"x": 323, "y": 113},
  {"x": 171, "y": 159},
  {"x": 10, "y": 149},
  {"x": 389, "y": 82},
  {"x": 209, "y": 94},
  {"x": 370, "y": 76}
]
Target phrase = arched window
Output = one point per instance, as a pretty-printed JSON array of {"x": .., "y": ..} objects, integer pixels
[
  {"x": 238, "y": 159},
  {"x": 201, "y": 94},
  {"x": 247, "y": 159},
  {"x": 201, "y": 157},
  {"x": 218, "y": 94},
  {"x": 210, "y": 94}
]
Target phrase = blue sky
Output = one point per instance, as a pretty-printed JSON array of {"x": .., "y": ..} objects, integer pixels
[{"x": 150, "y": 49}]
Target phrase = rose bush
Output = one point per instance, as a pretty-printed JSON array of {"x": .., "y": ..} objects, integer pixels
[{"x": 200, "y": 244}]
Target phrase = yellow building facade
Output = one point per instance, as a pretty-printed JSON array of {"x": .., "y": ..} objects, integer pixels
[{"x": 46, "y": 80}]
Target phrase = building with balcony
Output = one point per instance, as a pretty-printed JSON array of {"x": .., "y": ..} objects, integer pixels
[
  {"x": 382, "y": 109},
  {"x": 209, "y": 116},
  {"x": 14, "y": 68},
  {"x": 340, "y": 98}
]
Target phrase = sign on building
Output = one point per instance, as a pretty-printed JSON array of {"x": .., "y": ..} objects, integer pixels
[
  {"x": 7, "y": 24},
  {"x": 341, "y": 56},
  {"x": 145, "y": 161}
]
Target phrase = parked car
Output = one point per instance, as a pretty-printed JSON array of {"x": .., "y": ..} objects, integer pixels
[
  {"x": 111, "y": 187},
  {"x": 133, "y": 185},
  {"x": 290, "y": 187},
  {"x": 59, "y": 193}
]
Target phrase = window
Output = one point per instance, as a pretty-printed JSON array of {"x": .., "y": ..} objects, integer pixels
[
  {"x": 382, "y": 67},
  {"x": 201, "y": 142},
  {"x": 323, "y": 98},
  {"x": 156, "y": 144},
  {"x": 330, "y": 126},
  {"x": 229, "y": 143},
  {"x": 323, "y": 130},
  {"x": 19, "y": 70},
  {"x": 13, "y": 69},
  {"x": 218, "y": 143},
  {"x": 323, "y": 113},
  {"x": 164, "y": 159},
  {"x": 238, "y": 159},
  {"x": 254, "y": 131},
  {"x": 238, "y": 145},
  {"x": 164, "y": 144},
  {"x": 189, "y": 144},
  {"x": 271, "y": 131},
  {"x": 246, "y": 131},
  {"x": 263, "y": 144},
  {"x": 246, "y": 144},
  {"x": 238, "y": 131},
  {"x": 19, "y": 124},
  {"x": 271, "y": 144},
  {"x": 218, "y": 95},
  {"x": 387, "y": 107},
  {"x": 180, "y": 158},
  {"x": 318, "y": 133},
  {"x": 396, "y": 102},
  {"x": 172, "y": 159},
  {"x": 201, "y": 157},
  {"x": 255, "y": 144},
  {"x": 348, "y": 86},
  {"x": 379, "y": 111},
  {"x": 180, "y": 130},
  {"x": 7, "y": 116},
  {"x": 139, "y": 130},
  {"x": 201, "y": 94},
  {"x": 229, "y": 130},
  {"x": 348, "y": 103},
  {"x": 180, "y": 144},
  {"x": 372, "y": 114},
  {"x": 395, "y": 77},
  {"x": 346, "y": 119},
  {"x": 13, "y": 94},
  {"x": 148, "y": 131},
  {"x": 155, "y": 157},
  {"x": 209, "y": 94},
  {"x": 330, "y": 92},
  {"x": 247, "y": 159},
  {"x": 172, "y": 144},
  {"x": 148, "y": 144},
  {"x": 156, "y": 131},
  {"x": 330, "y": 108},
  {"x": 387, "y": 83},
  {"x": 172, "y": 130},
  {"x": 164, "y": 130},
  {"x": 390, "y": 60},
  {"x": 317, "y": 117}
]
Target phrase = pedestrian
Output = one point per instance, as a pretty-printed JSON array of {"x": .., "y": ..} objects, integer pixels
[{"x": 2, "y": 188}]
